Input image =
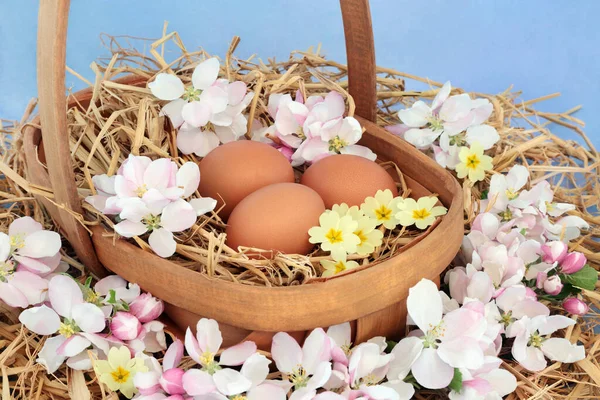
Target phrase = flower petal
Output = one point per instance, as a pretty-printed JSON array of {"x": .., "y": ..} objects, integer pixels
[
  {"x": 197, "y": 382},
  {"x": 12, "y": 296},
  {"x": 24, "y": 226},
  {"x": 209, "y": 335},
  {"x": 178, "y": 216},
  {"x": 255, "y": 368},
  {"x": 430, "y": 371},
  {"x": 166, "y": 87},
  {"x": 64, "y": 293},
  {"x": 238, "y": 354},
  {"x": 486, "y": 135},
  {"x": 89, "y": 317},
  {"x": 188, "y": 178},
  {"x": 286, "y": 352},
  {"x": 558, "y": 349},
  {"x": 73, "y": 346},
  {"x": 129, "y": 229},
  {"x": 41, "y": 244},
  {"x": 49, "y": 357},
  {"x": 231, "y": 382},
  {"x": 196, "y": 113},
  {"x": 266, "y": 391},
  {"x": 416, "y": 116},
  {"x": 462, "y": 352},
  {"x": 405, "y": 353},
  {"x": 32, "y": 286},
  {"x": 203, "y": 205},
  {"x": 425, "y": 305},
  {"x": 42, "y": 320},
  {"x": 174, "y": 110},
  {"x": 162, "y": 242},
  {"x": 205, "y": 74}
]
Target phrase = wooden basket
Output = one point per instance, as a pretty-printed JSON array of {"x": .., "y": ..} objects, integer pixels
[{"x": 373, "y": 298}]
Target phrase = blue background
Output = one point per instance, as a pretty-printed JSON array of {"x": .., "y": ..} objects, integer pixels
[{"x": 539, "y": 46}]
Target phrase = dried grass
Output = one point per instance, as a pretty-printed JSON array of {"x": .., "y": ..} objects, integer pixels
[{"x": 123, "y": 118}]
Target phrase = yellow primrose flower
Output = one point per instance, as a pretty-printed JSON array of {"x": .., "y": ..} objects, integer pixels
[
  {"x": 473, "y": 163},
  {"x": 422, "y": 212},
  {"x": 339, "y": 264},
  {"x": 366, "y": 231},
  {"x": 382, "y": 208},
  {"x": 118, "y": 371},
  {"x": 335, "y": 233}
]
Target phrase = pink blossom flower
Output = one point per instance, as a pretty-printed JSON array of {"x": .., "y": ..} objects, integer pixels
[
  {"x": 309, "y": 367},
  {"x": 146, "y": 307},
  {"x": 554, "y": 252},
  {"x": 158, "y": 377},
  {"x": 73, "y": 319},
  {"x": 513, "y": 304},
  {"x": 487, "y": 382},
  {"x": 551, "y": 285},
  {"x": 504, "y": 189},
  {"x": 575, "y": 306},
  {"x": 125, "y": 326},
  {"x": 573, "y": 262},
  {"x": 531, "y": 343},
  {"x": 446, "y": 343}
]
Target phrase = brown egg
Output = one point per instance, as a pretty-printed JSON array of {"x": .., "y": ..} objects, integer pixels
[
  {"x": 276, "y": 218},
  {"x": 349, "y": 179},
  {"x": 234, "y": 170}
]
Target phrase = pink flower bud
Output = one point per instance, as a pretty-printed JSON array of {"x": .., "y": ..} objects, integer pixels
[
  {"x": 540, "y": 279},
  {"x": 575, "y": 306},
  {"x": 171, "y": 381},
  {"x": 554, "y": 252},
  {"x": 125, "y": 326},
  {"x": 573, "y": 262},
  {"x": 553, "y": 285},
  {"x": 146, "y": 307},
  {"x": 286, "y": 151}
]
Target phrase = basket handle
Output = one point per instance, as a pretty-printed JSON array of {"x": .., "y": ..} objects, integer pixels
[{"x": 51, "y": 63}]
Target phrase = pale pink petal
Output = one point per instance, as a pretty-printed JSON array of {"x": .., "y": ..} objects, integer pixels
[
  {"x": 104, "y": 285},
  {"x": 188, "y": 139},
  {"x": 130, "y": 229},
  {"x": 41, "y": 320},
  {"x": 178, "y": 216},
  {"x": 73, "y": 346},
  {"x": 455, "y": 107},
  {"x": 196, "y": 113},
  {"x": 255, "y": 368},
  {"x": 225, "y": 134},
  {"x": 155, "y": 201},
  {"x": 216, "y": 98},
  {"x": 285, "y": 121},
  {"x": 486, "y": 135},
  {"x": 154, "y": 339},
  {"x": 89, "y": 317},
  {"x": 358, "y": 150},
  {"x": 222, "y": 119},
  {"x": 205, "y": 143},
  {"x": 197, "y": 382},
  {"x": 41, "y": 244},
  {"x": 430, "y": 371},
  {"x": 286, "y": 352},
  {"x": 321, "y": 375},
  {"x": 335, "y": 104},
  {"x": 421, "y": 138},
  {"x": 534, "y": 359},
  {"x": 304, "y": 393},
  {"x": 266, "y": 391},
  {"x": 64, "y": 293},
  {"x": 32, "y": 286},
  {"x": 174, "y": 110},
  {"x": 49, "y": 357},
  {"x": 24, "y": 226},
  {"x": 173, "y": 355},
  {"x": 405, "y": 353},
  {"x": 425, "y": 305},
  {"x": 312, "y": 148},
  {"x": 502, "y": 381},
  {"x": 316, "y": 349},
  {"x": 341, "y": 334},
  {"x": 203, "y": 205},
  {"x": 39, "y": 266},
  {"x": 236, "y": 355},
  {"x": 82, "y": 361},
  {"x": 158, "y": 173},
  {"x": 12, "y": 296},
  {"x": 482, "y": 109},
  {"x": 530, "y": 308},
  {"x": 547, "y": 325},
  {"x": 192, "y": 347},
  {"x": 231, "y": 382},
  {"x": 188, "y": 178},
  {"x": 205, "y": 74},
  {"x": 416, "y": 116},
  {"x": 462, "y": 352},
  {"x": 162, "y": 242},
  {"x": 209, "y": 335},
  {"x": 441, "y": 96},
  {"x": 236, "y": 92},
  {"x": 558, "y": 349},
  {"x": 166, "y": 87},
  {"x": 147, "y": 382}
]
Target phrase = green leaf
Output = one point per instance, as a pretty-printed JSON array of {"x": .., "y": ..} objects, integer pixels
[
  {"x": 567, "y": 290},
  {"x": 390, "y": 346},
  {"x": 585, "y": 278},
  {"x": 457, "y": 382},
  {"x": 112, "y": 299},
  {"x": 88, "y": 282},
  {"x": 484, "y": 194}
]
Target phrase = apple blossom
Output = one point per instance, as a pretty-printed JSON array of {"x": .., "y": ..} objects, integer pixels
[
  {"x": 573, "y": 262},
  {"x": 486, "y": 383},
  {"x": 504, "y": 189},
  {"x": 554, "y": 252},
  {"x": 125, "y": 326},
  {"x": 532, "y": 344},
  {"x": 146, "y": 307},
  {"x": 575, "y": 306}
]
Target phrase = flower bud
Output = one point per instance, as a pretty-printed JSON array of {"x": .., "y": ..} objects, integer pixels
[
  {"x": 125, "y": 326},
  {"x": 146, "y": 307},
  {"x": 575, "y": 306},
  {"x": 553, "y": 285},
  {"x": 573, "y": 262},
  {"x": 554, "y": 252},
  {"x": 530, "y": 294},
  {"x": 171, "y": 381}
]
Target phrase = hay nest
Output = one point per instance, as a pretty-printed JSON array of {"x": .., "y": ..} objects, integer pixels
[{"x": 119, "y": 120}]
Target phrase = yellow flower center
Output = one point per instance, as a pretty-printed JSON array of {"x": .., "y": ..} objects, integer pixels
[
  {"x": 339, "y": 267},
  {"x": 535, "y": 340},
  {"x": 120, "y": 375},
  {"x": 334, "y": 236},
  {"x": 511, "y": 194},
  {"x": 17, "y": 241},
  {"x": 420, "y": 214},
  {"x": 298, "y": 377},
  {"x": 66, "y": 329},
  {"x": 370, "y": 380},
  {"x": 383, "y": 213},
  {"x": 336, "y": 144},
  {"x": 361, "y": 236},
  {"x": 239, "y": 397},
  {"x": 91, "y": 296},
  {"x": 549, "y": 206},
  {"x": 300, "y": 133},
  {"x": 141, "y": 191},
  {"x": 473, "y": 161}
]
